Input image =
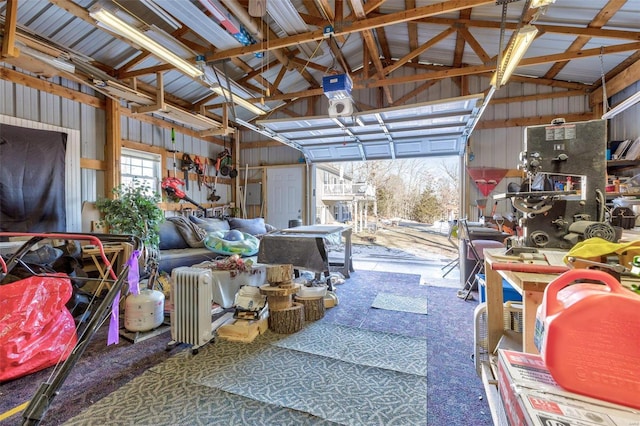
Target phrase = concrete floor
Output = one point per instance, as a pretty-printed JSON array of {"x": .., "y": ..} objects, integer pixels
[{"x": 430, "y": 270}]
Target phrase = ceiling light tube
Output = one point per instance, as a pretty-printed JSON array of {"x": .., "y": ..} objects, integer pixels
[
  {"x": 540, "y": 3},
  {"x": 622, "y": 106},
  {"x": 118, "y": 26},
  {"x": 237, "y": 100},
  {"x": 509, "y": 63}
]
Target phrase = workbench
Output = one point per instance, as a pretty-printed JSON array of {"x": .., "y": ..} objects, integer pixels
[{"x": 531, "y": 286}]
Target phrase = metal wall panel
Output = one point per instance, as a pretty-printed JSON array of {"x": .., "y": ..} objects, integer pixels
[
  {"x": 626, "y": 124},
  {"x": 6, "y": 98}
]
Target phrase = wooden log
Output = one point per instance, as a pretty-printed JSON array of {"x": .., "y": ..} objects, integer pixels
[
  {"x": 279, "y": 298},
  {"x": 287, "y": 321},
  {"x": 281, "y": 273},
  {"x": 278, "y": 303},
  {"x": 269, "y": 290},
  {"x": 313, "y": 307}
]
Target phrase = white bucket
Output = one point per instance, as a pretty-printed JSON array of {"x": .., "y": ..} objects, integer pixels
[{"x": 144, "y": 311}]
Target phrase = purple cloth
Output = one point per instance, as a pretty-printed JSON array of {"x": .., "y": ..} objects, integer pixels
[{"x": 134, "y": 278}]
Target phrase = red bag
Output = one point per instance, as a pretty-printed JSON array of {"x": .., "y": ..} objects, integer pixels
[{"x": 36, "y": 328}]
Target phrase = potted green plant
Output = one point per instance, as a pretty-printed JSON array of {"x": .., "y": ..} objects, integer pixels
[{"x": 134, "y": 211}]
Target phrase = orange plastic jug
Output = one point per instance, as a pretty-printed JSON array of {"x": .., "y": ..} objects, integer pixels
[{"x": 589, "y": 336}]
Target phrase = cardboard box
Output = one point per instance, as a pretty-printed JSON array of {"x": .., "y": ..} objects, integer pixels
[{"x": 531, "y": 397}]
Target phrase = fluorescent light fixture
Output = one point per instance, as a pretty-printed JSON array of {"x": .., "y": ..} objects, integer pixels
[
  {"x": 237, "y": 99},
  {"x": 118, "y": 26},
  {"x": 48, "y": 59},
  {"x": 622, "y": 106},
  {"x": 540, "y": 3},
  {"x": 509, "y": 63}
]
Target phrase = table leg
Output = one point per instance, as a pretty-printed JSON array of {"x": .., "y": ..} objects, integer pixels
[
  {"x": 348, "y": 260},
  {"x": 495, "y": 307}
]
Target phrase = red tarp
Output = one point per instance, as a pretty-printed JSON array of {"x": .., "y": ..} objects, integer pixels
[{"x": 36, "y": 328}]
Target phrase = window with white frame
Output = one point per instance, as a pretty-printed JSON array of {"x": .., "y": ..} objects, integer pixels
[{"x": 144, "y": 167}]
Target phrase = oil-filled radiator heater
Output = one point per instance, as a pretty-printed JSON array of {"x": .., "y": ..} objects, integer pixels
[{"x": 191, "y": 297}]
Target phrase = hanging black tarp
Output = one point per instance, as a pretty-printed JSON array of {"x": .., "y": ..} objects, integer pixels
[{"x": 32, "y": 180}]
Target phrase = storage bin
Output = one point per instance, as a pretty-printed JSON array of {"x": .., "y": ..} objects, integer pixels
[{"x": 508, "y": 292}]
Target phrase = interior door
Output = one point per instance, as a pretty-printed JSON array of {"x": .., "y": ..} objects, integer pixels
[{"x": 285, "y": 200}]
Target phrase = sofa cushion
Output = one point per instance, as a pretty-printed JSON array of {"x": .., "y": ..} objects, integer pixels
[
  {"x": 170, "y": 238},
  {"x": 170, "y": 259},
  {"x": 210, "y": 224},
  {"x": 191, "y": 233},
  {"x": 250, "y": 226}
]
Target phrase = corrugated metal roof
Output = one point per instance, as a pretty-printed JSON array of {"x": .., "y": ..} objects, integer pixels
[{"x": 66, "y": 24}]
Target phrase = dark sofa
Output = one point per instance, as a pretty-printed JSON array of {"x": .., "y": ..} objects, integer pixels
[{"x": 181, "y": 240}]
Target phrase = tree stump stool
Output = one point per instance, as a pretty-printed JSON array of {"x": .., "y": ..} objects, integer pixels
[
  {"x": 280, "y": 275},
  {"x": 279, "y": 298},
  {"x": 313, "y": 307},
  {"x": 285, "y": 316},
  {"x": 287, "y": 321}
]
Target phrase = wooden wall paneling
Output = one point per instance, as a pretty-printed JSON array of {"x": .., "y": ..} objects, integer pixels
[{"x": 112, "y": 146}]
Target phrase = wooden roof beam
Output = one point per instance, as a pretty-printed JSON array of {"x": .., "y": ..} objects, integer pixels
[
  {"x": 598, "y": 22},
  {"x": 358, "y": 9},
  {"x": 552, "y": 29},
  {"x": 417, "y": 52},
  {"x": 354, "y": 27},
  {"x": 621, "y": 81}
]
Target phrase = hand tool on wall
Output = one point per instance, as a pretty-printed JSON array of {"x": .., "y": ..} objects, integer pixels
[
  {"x": 212, "y": 196},
  {"x": 222, "y": 161},
  {"x": 199, "y": 170},
  {"x": 173, "y": 150},
  {"x": 187, "y": 165}
]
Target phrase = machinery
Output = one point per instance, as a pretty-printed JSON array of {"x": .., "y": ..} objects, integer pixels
[{"x": 561, "y": 201}]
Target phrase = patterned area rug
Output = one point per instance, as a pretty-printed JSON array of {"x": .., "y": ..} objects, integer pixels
[
  {"x": 394, "y": 302},
  {"x": 382, "y": 350},
  {"x": 277, "y": 385}
]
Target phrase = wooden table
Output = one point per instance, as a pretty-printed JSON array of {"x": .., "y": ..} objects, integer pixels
[
  {"x": 305, "y": 247},
  {"x": 111, "y": 251},
  {"x": 530, "y": 285}
]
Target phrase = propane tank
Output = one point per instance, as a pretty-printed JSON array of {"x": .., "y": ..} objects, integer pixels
[{"x": 144, "y": 311}]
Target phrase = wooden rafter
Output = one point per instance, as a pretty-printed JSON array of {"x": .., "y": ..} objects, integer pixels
[
  {"x": 365, "y": 18},
  {"x": 356, "y": 26},
  {"x": 598, "y": 22},
  {"x": 358, "y": 9},
  {"x": 417, "y": 52},
  {"x": 474, "y": 45},
  {"x": 546, "y": 28},
  {"x": 9, "y": 49},
  {"x": 412, "y": 27}
]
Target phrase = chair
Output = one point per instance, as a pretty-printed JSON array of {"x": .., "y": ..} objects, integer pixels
[
  {"x": 475, "y": 252},
  {"x": 453, "y": 232}
]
